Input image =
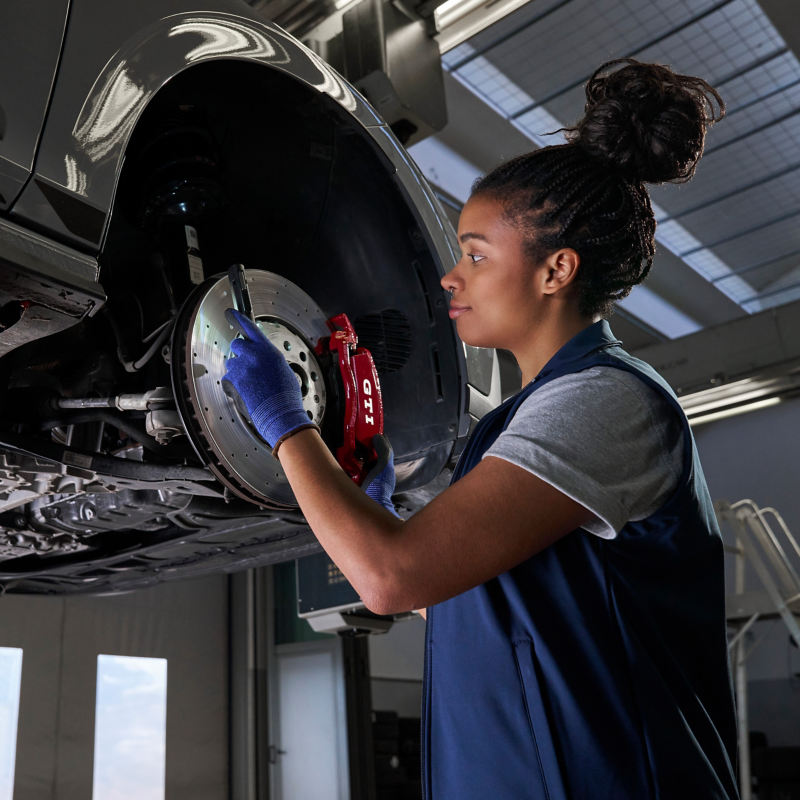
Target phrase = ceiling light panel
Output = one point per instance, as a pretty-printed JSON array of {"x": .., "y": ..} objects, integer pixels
[
  {"x": 753, "y": 207},
  {"x": 532, "y": 69}
]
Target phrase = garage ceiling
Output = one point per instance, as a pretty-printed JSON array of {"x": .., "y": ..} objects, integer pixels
[{"x": 736, "y": 223}]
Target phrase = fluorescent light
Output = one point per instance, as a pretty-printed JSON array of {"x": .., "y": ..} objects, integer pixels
[
  {"x": 732, "y": 412},
  {"x": 454, "y": 10},
  {"x": 459, "y": 20},
  {"x": 724, "y": 401}
]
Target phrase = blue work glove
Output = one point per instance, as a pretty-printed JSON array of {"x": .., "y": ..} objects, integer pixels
[
  {"x": 264, "y": 382},
  {"x": 380, "y": 481}
]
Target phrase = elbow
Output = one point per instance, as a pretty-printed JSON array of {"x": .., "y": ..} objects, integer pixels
[
  {"x": 384, "y": 596},
  {"x": 386, "y": 606},
  {"x": 382, "y": 604}
]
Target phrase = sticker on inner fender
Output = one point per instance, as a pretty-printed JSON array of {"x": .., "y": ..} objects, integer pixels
[
  {"x": 196, "y": 269},
  {"x": 76, "y": 459}
]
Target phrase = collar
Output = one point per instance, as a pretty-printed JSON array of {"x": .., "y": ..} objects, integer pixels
[{"x": 597, "y": 336}]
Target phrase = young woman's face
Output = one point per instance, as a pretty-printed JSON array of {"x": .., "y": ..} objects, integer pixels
[{"x": 494, "y": 285}]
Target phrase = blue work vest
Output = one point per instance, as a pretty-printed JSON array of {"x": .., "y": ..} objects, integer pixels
[{"x": 598, "y": 668}]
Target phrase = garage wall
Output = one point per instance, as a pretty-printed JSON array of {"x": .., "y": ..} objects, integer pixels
[
  {"x": 184, "y": 622},
  {"x": 396, "y": 663},
  {"x": 757, "y": 456}
]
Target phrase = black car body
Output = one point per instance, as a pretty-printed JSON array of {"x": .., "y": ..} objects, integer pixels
[{"x": 121, "y": 123}]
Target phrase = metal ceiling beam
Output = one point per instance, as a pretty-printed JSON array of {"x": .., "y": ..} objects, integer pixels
[
  {"x": 649, "y": 330},
  {"x": 771, "y": 293},
  {"x": 720, "y": 198},
  {"x": 675, "y": 281},
  {"x": 753, "y": 131},
  {"x": 657, "y": 40},
  {"x": 758, "y": 265},
  {"x": 478, "y": 132},
  {"x": 759, "y": 62},
  {"x": 784, "y": 17},
  {"x": 506, "y": 36},
  {"x": 761, "y": 98},
  {"x": 740, "y": 234},
  {"x": 749, "y": 346}
]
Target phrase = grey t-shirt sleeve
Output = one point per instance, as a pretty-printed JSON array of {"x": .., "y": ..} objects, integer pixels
[{"x": 604, "y": 438}]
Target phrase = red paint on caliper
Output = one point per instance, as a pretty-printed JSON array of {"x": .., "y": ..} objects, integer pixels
[{"x": 363, "y": 407}]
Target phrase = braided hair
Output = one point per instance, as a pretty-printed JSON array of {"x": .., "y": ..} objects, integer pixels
[{"x": 643, "y": 123}]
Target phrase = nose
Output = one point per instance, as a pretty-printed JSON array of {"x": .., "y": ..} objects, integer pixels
[{"x": 452, "y": 281}]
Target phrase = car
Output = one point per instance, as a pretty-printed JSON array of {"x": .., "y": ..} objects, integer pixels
[{"x": 145, "y": 148}]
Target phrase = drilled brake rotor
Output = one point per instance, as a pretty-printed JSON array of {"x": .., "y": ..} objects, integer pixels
[{"x": 224, "y": 440}]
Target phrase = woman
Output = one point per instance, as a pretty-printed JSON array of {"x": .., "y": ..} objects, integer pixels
[{"x": 573, "y": 571}]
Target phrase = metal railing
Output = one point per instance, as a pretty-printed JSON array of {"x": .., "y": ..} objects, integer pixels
[{"x": 757, "y": 543}]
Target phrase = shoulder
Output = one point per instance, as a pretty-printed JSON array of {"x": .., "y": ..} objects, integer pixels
[
  {"x": 604, "y": 391},
  {"x": 602, "y": 436}
]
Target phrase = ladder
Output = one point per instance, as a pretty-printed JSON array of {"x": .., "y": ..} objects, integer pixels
[{"x": 758, "y": 544}]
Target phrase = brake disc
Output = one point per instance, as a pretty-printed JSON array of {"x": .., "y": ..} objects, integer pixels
[{"x": 223, "y": 439}]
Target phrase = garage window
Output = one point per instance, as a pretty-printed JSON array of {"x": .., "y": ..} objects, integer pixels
[
  {"x": 10, "y": 674},
  {"x": 130, "y": 728}
]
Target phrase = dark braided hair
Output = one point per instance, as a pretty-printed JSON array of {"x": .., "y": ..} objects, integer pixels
[{"x": 643, "y": 123}]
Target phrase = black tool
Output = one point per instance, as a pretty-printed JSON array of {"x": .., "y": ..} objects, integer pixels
[
  {"x": 240, "y": 290},
  {"x": 241, "y": 297}
]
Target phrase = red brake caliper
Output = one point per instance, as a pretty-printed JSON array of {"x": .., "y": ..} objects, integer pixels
[{"x": 363, "y": 410}]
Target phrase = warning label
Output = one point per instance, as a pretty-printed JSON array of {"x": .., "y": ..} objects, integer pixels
[
  {"x": 76, "y": 459},
  {"x": 196, "y": 269}
]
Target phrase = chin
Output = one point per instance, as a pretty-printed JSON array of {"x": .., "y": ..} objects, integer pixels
[{"x": 477, "y": 338}]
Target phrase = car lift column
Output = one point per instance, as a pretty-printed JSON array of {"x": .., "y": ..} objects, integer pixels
[{"x": 358, "y": 700}]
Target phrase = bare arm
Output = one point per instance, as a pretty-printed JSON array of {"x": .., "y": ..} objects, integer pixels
[{"x": 495, "y": 517}]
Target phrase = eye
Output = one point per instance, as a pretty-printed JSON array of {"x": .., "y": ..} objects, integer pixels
[{"x": 475, "y": 257}]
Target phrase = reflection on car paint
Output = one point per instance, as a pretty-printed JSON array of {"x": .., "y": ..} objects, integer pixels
[
  {"x": 119, "y": 97},
  {"x": 112, "y": 114},
  {"x": 228, "y": 39},
  {"x": 76, "y": 178}
]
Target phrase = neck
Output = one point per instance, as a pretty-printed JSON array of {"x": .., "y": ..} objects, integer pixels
[{"x": 544, "y": 342}]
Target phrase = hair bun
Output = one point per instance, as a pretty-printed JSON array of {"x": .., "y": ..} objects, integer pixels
[{"x": 647, "y": 121}]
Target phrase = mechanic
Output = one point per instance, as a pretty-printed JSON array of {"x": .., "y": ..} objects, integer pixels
[{"x": 573, "y": 572}]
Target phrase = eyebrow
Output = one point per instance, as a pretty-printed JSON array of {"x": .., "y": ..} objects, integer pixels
[{"x": 468, "y": 235}]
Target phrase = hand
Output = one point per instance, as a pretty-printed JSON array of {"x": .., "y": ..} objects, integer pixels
[
  {"x": 264, "y": 382},
  {"x": 380, "y": 481}
]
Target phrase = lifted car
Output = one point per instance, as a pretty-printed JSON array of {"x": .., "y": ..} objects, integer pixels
[{"x": 144, "y": 149}]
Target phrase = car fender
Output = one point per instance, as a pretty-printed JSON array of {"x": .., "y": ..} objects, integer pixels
[{"x": 84, "y": 142}]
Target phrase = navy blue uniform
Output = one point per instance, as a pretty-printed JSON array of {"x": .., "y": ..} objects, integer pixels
[{"x": 597, "y": 668}]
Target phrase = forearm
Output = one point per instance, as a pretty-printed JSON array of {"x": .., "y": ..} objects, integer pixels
[{"x": 360, "y": 536}]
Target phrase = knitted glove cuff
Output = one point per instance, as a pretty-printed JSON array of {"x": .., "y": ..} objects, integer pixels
[
  {"x": 379, "y": 492},
  {"x": 279, "y": 415}
]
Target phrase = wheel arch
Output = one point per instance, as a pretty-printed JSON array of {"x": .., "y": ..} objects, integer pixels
[{"x": 74, "y": 187}]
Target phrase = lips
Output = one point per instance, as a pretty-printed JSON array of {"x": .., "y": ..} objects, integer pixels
[{"x": 456, "y": 310}]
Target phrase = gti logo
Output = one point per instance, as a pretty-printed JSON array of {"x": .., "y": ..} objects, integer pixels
[{"x": 370, "y": 420}]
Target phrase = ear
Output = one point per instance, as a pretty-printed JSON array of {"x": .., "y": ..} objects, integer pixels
[{"x": 559, "y": 270}]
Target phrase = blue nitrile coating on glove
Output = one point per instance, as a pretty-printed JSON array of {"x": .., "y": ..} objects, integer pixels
[
  {"x": 265, "y": 382},
  {"x": 380, "y": 481}
]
